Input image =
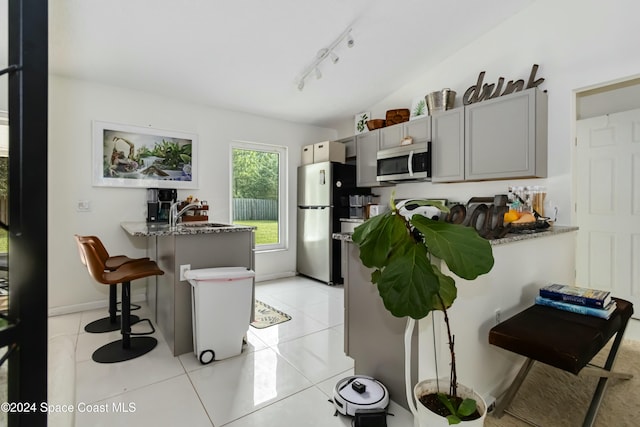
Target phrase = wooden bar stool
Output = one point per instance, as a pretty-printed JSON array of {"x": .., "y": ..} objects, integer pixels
[
  {"x": 126, "y": 348},
  {"x": 564, "y": 340},
  {"x": 112, "y": 263}
]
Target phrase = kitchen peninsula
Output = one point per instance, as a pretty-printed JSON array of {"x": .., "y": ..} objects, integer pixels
[
  {"x": 523, "y": 264},
  {"x": 200, "y": 245}
]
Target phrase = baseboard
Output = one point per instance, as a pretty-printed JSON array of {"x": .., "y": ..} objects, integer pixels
[
  {"x": 137, "y": 298},
  {"x": 274, "y": 276},
  {"x": 94, "y": 305}
]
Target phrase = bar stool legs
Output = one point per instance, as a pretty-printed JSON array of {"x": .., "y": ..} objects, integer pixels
[
  {"x": 126, "y": 348},
  {"x": 111, "y": 323}
]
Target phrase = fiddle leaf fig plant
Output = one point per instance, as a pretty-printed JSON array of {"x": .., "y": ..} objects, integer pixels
[{"x": 400, "y": 250}]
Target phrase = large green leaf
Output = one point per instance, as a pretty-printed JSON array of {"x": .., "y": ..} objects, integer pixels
[
  {"x": 378, "y": 237},
  {"x": 408, "y": 285},
  {"x": 466, "y": 253},
  {"x": 448, "y": 291}
]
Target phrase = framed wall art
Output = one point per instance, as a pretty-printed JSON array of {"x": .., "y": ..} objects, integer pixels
[
  {"x": 360, "y": 122},
  {"x": 418, "y": 108},
  {"x": 131, "y": 156}
]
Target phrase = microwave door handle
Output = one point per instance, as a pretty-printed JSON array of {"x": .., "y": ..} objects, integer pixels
[{"x": 410, "y": 165}]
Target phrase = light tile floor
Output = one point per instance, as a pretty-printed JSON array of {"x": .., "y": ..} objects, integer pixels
[{"x": 284, "y": 376}]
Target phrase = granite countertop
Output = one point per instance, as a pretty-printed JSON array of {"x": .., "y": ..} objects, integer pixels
[
  {"x": 143, "y": 229},
  {"x": 511, "y": 237}
]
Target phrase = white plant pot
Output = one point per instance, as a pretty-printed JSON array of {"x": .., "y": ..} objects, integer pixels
[{"x": 426, "y": 418}]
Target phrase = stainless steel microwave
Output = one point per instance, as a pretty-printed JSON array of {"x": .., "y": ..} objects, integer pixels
[{"x": 405, "y": 163}]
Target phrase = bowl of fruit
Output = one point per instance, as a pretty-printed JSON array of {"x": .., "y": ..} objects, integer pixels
[{"x": 524, "y": 222}]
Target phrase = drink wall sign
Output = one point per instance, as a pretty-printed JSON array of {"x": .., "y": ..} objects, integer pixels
[{"x": 480, "y": 92}]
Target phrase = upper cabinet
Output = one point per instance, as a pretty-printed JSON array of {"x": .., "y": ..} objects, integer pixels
[
  {"x": 419, "y": 130},
  {"x": 447, "y": 146},
  {"x": 502, "y": 138},
  {"x": 350, "y": 146},
  {"x": 506, "y": 137},
  {"x": 367, "y": 146}
]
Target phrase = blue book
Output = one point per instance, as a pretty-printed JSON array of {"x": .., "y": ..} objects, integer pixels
[
  {"x": 576, "y": 295},
  {"x": 603, "y": 313}
]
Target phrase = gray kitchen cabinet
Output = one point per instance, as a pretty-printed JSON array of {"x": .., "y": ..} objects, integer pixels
[
  {"x": 350, "y": 146},
  {"x": 506, "y": 137},
  {"x": 367, "y": 145},
  {"x": 419, "y": 130},
  {"x": 373, "y": 337},
  {"x": 447, "y": 146}
]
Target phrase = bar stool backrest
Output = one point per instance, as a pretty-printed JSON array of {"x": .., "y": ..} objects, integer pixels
[
  {"x": 93, "y": 261},
  {"x": 94, "y": 241}
]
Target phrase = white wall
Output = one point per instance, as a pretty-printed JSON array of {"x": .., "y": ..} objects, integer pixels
[
  {"x": 578, "y": 44},
  {"x": 72, "y": 107}
]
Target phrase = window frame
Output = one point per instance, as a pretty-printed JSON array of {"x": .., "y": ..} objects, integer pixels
[{"x": 283, "y": 189}]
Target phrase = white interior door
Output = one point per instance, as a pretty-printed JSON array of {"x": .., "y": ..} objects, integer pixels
[{"x": 608, "y": 204}]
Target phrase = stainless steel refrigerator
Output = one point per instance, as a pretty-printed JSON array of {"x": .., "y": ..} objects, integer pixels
[{"x": 323, "y": 198}]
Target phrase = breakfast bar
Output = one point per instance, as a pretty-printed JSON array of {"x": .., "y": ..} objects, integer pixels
[
  {"x": 523, "y": 263},
  {"x": 188, "y": 246}
]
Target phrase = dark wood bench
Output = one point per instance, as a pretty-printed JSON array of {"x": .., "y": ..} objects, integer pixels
[{"x": 564, "y": 340}]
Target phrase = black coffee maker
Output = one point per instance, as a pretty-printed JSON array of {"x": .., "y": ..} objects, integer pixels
[
  {"x": 159, "y": 201},
  {"x": 152, "y": 205}
]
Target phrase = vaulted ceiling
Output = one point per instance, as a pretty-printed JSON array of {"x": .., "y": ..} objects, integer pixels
[{"x": 247, "y": 55}]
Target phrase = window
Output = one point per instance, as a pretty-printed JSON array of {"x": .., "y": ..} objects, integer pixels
[{"x": 258, "y": 191}]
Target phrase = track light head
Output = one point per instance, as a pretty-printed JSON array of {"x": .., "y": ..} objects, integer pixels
[
  {"x": 318, "y": 74},
  {"x": 301, "y": 85},
  {"x": 350, "y": 41},
  {"x": 334, "y": 58}
]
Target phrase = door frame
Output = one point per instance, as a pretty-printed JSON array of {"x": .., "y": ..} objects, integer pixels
[{"x": 620, "y": 83}]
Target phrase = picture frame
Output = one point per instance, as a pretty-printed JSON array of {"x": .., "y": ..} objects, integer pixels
[
  {"x": 418, "y": 108},
  {"x": 140, "y": 157},
  {"x": 360, "y": 122}
]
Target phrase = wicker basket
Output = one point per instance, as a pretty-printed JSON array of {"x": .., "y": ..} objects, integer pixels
[
  {"x": 398, "y": 116},
  {"x": 375, "y": 124}
]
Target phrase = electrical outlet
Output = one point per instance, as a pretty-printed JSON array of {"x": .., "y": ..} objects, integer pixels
[
  {"x": 498, "y": 316},
  {"x": 183, "y": 269}
]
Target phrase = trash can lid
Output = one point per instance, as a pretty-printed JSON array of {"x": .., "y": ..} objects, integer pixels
[{"x": 219, "y": 273}]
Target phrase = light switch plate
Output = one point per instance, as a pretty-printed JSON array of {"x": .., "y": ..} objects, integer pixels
[{"x": 83, "y": 206}]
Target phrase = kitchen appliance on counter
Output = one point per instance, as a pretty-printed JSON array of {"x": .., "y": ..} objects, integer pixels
[
  {"x": 323, "y": 198},
  {"x": 153, "y": 205},
  {"x": 166, "y": 197},
  {"x": 404, "y": 163}
]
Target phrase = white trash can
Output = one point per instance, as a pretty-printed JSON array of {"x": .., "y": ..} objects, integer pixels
[{"x": 221, "y": 302}]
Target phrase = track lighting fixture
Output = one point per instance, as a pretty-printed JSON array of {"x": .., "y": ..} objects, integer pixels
[{"x": 323, "y": 54}]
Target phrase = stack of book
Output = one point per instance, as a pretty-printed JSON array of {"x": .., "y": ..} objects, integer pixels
[{"x": 590, "y": 302}]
